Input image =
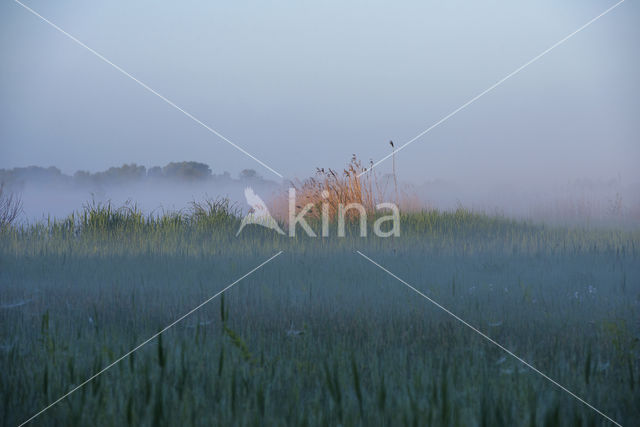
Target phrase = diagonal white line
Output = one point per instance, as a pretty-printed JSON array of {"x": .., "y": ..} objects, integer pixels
[
  {"x": 151, "y": 338},
  {"x": 490, "y": 88},
  {"x": 491, "y": 340},
  {"x": 186, "y": 113}
]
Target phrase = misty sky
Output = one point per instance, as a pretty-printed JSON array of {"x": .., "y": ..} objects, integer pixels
[{"x": 305, "y": 84}]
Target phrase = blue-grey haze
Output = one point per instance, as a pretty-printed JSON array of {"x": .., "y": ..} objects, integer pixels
[{"x": 305, "y": 84}]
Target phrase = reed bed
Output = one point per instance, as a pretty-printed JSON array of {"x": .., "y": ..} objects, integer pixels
[{"x": 355, "y": 184}]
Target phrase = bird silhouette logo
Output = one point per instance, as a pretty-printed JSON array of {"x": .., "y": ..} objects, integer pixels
[{"x": 258, "y": 214}]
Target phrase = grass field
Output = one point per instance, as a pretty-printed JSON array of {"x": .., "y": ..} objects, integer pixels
[{"x": 319, "y": 335}]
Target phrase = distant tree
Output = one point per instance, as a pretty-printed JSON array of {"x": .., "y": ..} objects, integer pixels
[
  {"x": 133, "y": 171},
  {"x": 154, "y": 172},
  {"x": 37, "y": 173},
  {"x": 17, "y": 177},
  {"x": 121, "y": 175},
  {"x": 187, "y": 170},
  {"x": 248, "y": 174},
  {"x": 82, "y": 177}
]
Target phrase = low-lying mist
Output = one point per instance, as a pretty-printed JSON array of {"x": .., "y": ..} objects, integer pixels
[
  {"x": 49, "y": 194},
  {"x": 42, "y": 201},
  {"x": 579, "y": 202}
]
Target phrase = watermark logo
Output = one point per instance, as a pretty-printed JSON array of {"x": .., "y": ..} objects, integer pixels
[{"x": 259, "y": 215}]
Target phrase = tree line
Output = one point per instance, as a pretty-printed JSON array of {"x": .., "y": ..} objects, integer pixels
[{"x": 179, "y": 172}]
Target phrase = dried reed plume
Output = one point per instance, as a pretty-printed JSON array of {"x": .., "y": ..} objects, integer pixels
[{"x": 331, "y": 189}]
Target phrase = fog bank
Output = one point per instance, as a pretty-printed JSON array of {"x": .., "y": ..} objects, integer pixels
[{"x": 579, "y": 202}]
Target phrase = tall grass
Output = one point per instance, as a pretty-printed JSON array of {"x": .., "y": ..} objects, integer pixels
[
  {"x": 333, "y": 188},
  {"x": 10, "y": 208},
  {"x": 75, "y": 294}
]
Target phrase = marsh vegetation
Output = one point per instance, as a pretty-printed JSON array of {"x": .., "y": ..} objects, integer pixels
[{"x": 318, "y": 336}]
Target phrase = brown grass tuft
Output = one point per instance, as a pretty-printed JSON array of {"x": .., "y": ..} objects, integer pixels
[{"x": 334, "y": 188}]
